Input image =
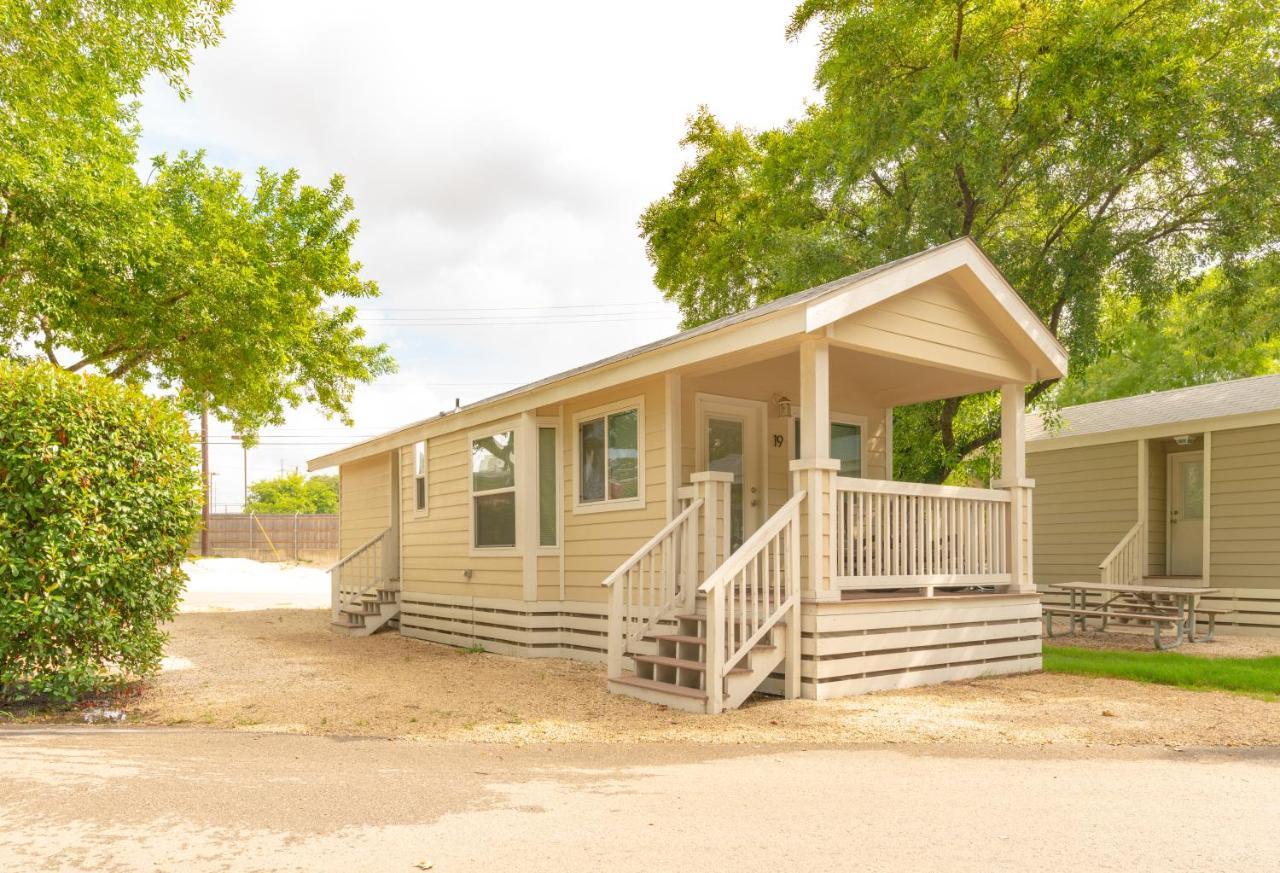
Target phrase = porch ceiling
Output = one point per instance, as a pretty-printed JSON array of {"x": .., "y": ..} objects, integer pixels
[{"x": 877, "y": 380}]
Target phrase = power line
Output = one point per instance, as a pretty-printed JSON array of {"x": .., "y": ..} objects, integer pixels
[
  {"x": 507, "y": 308},
  {"x": 514, "y": 322}
]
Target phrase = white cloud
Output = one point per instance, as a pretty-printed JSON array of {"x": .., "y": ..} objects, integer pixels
[{"x": 499, "y": 154}]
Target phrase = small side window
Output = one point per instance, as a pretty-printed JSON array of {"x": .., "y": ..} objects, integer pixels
[{"x": 420, "y": 476}]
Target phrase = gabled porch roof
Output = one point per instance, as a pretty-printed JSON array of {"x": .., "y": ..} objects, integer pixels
[{"x": 769, "y": 329}]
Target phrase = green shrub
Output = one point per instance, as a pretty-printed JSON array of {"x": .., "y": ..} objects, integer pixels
[{"x": 99, "y": 498}]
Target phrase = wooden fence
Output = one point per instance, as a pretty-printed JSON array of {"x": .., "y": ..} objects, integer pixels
[{"x": 272, "y": 537}]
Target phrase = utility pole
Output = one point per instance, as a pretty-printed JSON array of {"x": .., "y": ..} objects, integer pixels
[
  {"x": 208, "y": 482},
  {"x": 245, "y": 450}
]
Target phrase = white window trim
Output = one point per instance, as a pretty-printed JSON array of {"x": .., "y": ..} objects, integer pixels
[
  {"x": 512, "y": 425},
  {"x": 553, "y": 423},
  {"x": 836, "y": 418},
  {"x": 425, "y": 510},
  {"x": 607, "y": 505}
]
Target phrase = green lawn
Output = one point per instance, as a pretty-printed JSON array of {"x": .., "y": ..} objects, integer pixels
[{"x": 1258, "y": 677}]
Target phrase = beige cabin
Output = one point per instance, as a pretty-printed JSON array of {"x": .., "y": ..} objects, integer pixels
[
  {"x": 1175, "y": 487},
  {"x": 715, "y": 514}
]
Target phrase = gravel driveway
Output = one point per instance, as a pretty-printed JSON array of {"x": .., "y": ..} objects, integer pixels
[{"x": 186, "y": 800}]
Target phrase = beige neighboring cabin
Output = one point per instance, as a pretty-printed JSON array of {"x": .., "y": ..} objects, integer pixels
[
  {"x": 1183, "y": 486},
  {"x": 715, "y": 514}
]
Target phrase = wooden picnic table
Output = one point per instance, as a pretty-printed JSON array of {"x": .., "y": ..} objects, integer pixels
[{"x": 1154, "y": 600}]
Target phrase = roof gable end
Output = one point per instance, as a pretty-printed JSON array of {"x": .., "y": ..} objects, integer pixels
[{"x": 969, "y": 267}]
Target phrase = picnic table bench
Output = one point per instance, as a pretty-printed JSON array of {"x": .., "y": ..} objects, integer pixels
[
  {"x": 1157, "y": 605},
  {"x": 1155, "y": 620}
]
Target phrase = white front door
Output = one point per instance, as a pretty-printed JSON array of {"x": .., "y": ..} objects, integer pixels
[
  {"x": 731, "y": 440},
  {"x": 1186, "y": 513}
]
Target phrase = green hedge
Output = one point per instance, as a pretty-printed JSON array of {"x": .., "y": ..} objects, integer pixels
[{"x": 99, "y": 499}]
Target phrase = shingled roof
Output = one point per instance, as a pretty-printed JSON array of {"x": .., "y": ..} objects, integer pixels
[{"x": 1181, "y": 405}]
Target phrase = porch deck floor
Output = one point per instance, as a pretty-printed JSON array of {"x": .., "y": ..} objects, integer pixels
[{"x": 893, "y": 596}]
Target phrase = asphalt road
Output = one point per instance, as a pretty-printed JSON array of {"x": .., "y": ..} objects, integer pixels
[{"x": 121, "y": 799}]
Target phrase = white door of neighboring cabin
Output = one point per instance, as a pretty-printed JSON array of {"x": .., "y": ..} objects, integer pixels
[
  {"x": 1186, "y": 513},
  {"x": 731, "y": 440}
]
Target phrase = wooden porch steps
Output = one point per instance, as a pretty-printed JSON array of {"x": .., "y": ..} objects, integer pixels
[
  {"x": 676, "y": 676},
  {"x": 369, "y": 614},
  {"x": 679, "y": 663},
  {"x": 660, "y": 687}
]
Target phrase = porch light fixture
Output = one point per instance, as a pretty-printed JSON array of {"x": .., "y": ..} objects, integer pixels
[
  {"x": 782, "y": 404},
  {"x": 1183, "y": 440}
]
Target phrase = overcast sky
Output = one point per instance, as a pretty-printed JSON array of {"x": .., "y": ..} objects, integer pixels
[{"x": 499, "y": 155}]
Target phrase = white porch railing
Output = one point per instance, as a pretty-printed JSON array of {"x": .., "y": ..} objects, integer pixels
[
  {"x": 747, "y": 595},
  {"x": 359, "y": 573},
  {"x": 1125, "y": 564},
  {"x": 912, "y": 535},
  {"x": 651, "y": 583}
]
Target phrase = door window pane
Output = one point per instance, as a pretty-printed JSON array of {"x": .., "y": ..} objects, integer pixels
[
  {"x": 624, "y": 459},
  {"x": 493, "y": 462},
  {"x": 725, "y": 439},
  {"x": 496, "y": 520},
  {"x": 591, "y": 460},
  {"x": 1192, "y": 485},
  {"x": 547, "y": 486},
  {"x": 846, "y": 447}
]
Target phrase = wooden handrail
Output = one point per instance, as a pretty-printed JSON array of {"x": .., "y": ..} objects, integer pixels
[
  {"x": 920, "y": 489},
  {"x": 748, "y": 595},
  {"x": 661, "y": 535},
  {"x": 338, "y": 601},
  {"x": 912, "y": 535},
  {"x": 1126, "y": 564},
  {"x": 356, "y": 551},
  {"x": 650, "y": 585},
  {"x": 748, "y": 550},
  {"x": 1124, "y": 541}
]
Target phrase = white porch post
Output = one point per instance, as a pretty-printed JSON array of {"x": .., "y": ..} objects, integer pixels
[
  {"x": 815, "y": 400},
  {"x": 815, "y": 471},
  {"x": 1013, "y": 478},
  {"x": 714, "y": 489},
  {"x": 888, "y": 443}
]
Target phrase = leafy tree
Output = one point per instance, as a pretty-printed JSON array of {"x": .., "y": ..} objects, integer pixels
[
  {"x": 1092, "y": 147},
  {"x": 1195, "y": 337},
  {"x": 294, "y": 493},
  {"x": 231, "y": 298},
  {"x": 99, "y": 498}
]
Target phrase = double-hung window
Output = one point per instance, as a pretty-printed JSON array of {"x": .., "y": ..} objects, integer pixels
[
  {"x": 846, "y": 445},
  {"x": 609, "y": 448},
  {"x": 420, "y": 476},
  {"x": 493, "y": 490}
]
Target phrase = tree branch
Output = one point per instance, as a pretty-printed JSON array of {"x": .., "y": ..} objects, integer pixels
[
  {"x": 128, "y": 364},
  {"x": 993, "y": 433},
  {"x": 46, "y": 345},
  {"x": 108, "y": 352}
]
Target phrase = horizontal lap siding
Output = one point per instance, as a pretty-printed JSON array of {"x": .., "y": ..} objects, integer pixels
[
  {"x": 364, "y": 507},
  {"x": 1245, "y": 509},
  {"x": 1085, "y": 500},
  {"x": 846, "y": 648},
  {"x": 595, "y": 543},
  {"x": 854, "y": 648},
  {"x": 935, "y": 322},
  {"x": 436, "y": 545}
]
